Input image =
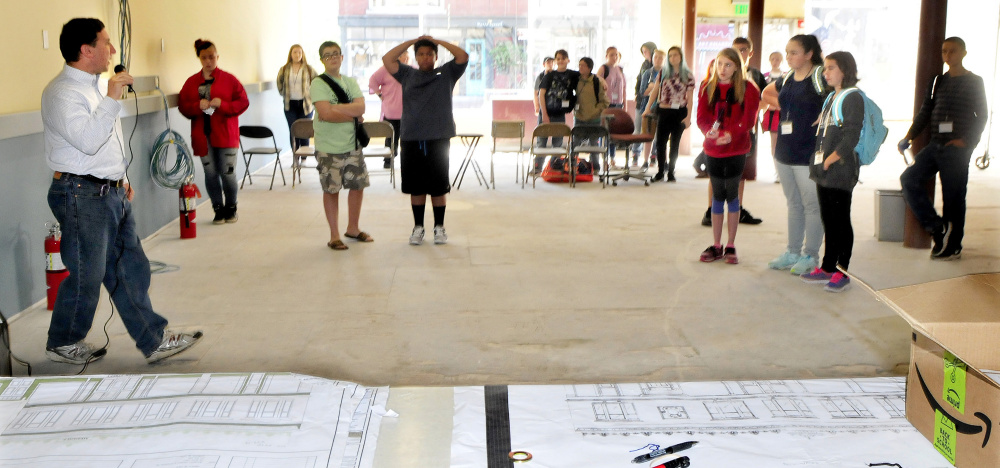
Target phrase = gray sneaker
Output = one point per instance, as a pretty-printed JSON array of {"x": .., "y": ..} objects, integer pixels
[
  {"x": 440, "y": 237},
  {"x": 78, "y": 353},
  {"x": 417, "y": 236},
  {"x": 173, "y": 343}
]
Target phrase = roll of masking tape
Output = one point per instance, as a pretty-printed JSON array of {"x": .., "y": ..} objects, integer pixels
[{"x": 519, "y": 456}]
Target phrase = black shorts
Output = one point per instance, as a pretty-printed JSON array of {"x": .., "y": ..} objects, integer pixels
[{"x": 423, "y": 166}]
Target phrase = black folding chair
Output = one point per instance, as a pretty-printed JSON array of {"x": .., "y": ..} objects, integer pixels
[{"x": 260, "y": 133}]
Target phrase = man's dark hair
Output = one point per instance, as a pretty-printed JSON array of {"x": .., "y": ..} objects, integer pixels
[
  {"x": 956, "y": 40},
  {"x": 327, "y": 45},
  {"x": 809, "y": 43},
  {"x": 847, "y": 65},
  {"x": 563, "y": 53},
  {"x": 76, "y": 33},
  {"x": 743, "y": 41},
  {"x": 589, "y": 61},
  {"x": 425, "y": 43}
]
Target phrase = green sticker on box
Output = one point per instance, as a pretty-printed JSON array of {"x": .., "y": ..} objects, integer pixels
[
  {"x": 954, "y": 381},
  {"x": 944, "y": 436}
]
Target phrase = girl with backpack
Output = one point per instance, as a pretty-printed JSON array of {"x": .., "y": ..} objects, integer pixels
[
  {"x": 835, "y": 167},
  {"x": 799, "y": 98},
  {"x": 727, "y": 113}
]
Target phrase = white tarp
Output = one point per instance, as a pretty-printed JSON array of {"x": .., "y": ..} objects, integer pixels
[
  {"x": 257, "y": 420},
  {"x": 775, "y": 423}
]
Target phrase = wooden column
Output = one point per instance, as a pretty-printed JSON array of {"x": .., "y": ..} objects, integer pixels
[
  {"x": 756, "y": 32},
  {"x": 933, "y": 16},
  {"x": 690, "y": 7}
]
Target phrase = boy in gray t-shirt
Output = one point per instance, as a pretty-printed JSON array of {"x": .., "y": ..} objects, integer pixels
[{"x": 428, "y": 125}]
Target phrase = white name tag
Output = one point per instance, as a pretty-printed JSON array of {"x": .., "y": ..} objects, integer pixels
[
  {"x": 565, "y": 103},
  {"x": 614, "y": 97},
  {"x": 675, "y": 106},
  {"x": 818, "y": 158},
  {"x": 786, "y": 128},
  {"x": 945, "y": 127}
]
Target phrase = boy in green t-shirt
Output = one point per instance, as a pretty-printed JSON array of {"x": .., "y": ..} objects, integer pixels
[{"x": 338, "y": 155}]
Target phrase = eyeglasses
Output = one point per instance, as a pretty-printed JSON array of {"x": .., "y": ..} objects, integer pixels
[{"x": 329, "y": 56}]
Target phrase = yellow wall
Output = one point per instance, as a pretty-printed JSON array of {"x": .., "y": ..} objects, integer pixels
[
  {"x": 253, "y": 37},
  {"x": 672, "y": 15}
]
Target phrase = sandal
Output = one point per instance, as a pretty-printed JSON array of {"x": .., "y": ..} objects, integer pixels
[
  {"x": 362, "y": 236},
  {"x": 711, "y": 254},
  {"x": 337, "y": 245},
  {"x": 730, "y": 255}
]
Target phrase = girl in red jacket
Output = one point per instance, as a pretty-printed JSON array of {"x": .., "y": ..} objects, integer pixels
[
  {"x": 727, "y": 112},
  {"x": 213, "y": 100}
]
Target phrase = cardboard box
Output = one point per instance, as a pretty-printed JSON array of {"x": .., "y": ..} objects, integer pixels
[{"x": 951, "y": 397}]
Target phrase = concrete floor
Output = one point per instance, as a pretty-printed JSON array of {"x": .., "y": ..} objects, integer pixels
[
  {"x": 536, "y": 286},
  {"x": 544, "y": 285}
]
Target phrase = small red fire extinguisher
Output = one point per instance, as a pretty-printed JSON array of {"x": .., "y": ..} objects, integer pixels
[
  {"x": 188, "y": 193},
  {"x": 55, "y": 271}
]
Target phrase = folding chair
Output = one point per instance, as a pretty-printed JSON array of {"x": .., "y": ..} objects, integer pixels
[
  {"x": 506, "y": 131},
  {"x": 588, "y": 139},
  {"x": 545, "y": 131},
  {"x": 260, "y": 133},
  {"x": 621, "y": 126},
  {"x": 382, "y": 130},
  {"x": 302, "y": 129}
]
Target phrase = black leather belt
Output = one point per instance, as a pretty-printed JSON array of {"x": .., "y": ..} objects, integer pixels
[{"x": 90, "y": 178}]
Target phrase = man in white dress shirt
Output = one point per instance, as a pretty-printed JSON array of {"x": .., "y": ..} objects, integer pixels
[{"x": 92, "y": 202}]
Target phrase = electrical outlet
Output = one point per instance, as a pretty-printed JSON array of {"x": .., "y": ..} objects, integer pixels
[
  {"x": 45, "y": 40},
  {"x": 163, "y": 44}
]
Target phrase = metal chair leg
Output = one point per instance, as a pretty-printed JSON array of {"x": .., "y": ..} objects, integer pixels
[{"x": 246, "y": 170}]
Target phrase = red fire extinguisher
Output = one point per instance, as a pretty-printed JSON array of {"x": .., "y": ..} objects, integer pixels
[
  {"x": 55, "y": 271},
  {"x": 188, "y": 193}
]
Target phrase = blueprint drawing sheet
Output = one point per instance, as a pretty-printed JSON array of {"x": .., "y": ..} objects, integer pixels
[
  {"x": 246, "y": 420},
  {"x": 772, "y": 423}
]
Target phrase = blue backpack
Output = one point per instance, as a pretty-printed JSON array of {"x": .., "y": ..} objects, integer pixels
[{"x": 873, "y": 129}]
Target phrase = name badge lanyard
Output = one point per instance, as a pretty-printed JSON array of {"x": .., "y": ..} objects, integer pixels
[{"x": 824, "y": 122}]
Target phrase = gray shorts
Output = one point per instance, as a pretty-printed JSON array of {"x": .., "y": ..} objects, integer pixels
[{"x": 344, "y": 170}]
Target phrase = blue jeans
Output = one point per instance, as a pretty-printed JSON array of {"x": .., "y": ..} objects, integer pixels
[
  {"x": 556, "y": 141},
  {"x": 804, "y": 221},
  {"x": 595, "y": 158},
  {"x": 952, "y": 163},
  {"x": 611, "y": 151},
  {"x": 297, "y": 112},
  {"x": 220, "y": 176},
  {"x": 100, "y": 246}
]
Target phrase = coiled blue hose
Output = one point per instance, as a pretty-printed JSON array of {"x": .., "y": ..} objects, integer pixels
[{"x": 165, "y": 173}]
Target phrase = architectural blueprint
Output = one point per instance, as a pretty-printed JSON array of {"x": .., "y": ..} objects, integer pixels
[
  {"x": 258, "y": 420},
  {"x": 773, "y": 423}
]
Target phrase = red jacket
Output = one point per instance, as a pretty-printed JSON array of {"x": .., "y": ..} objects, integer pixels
[
  {"x": 738, "y": 119},
  {"x": 225, "y": 124}
]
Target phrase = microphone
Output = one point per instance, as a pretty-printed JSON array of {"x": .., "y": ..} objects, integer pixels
[{"x": 121, "y": 69}]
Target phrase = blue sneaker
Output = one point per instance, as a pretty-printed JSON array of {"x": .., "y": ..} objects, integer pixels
[
  {"x": 838, "y": 283},
  {"x": 816, "y": 276},
  {"x": 784, "y": 262},
  {"x": 805, "y": 264}
]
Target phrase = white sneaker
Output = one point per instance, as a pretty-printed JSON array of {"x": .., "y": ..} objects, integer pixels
[
  {"x": 440, "y": 237},
  {"x": 805, "y": 264},
  {"x": 76, "y": 353},
  {"x": 417, "y": 236},
  {"x": 173, "y": 343}
]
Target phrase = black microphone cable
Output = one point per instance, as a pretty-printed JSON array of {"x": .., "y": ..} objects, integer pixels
[
  {"x": 103, "y": 350},
  {"x": 5, "y": 333}
]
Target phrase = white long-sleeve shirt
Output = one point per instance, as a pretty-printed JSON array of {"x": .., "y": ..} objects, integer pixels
[{"x": 81, "y": 127}]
